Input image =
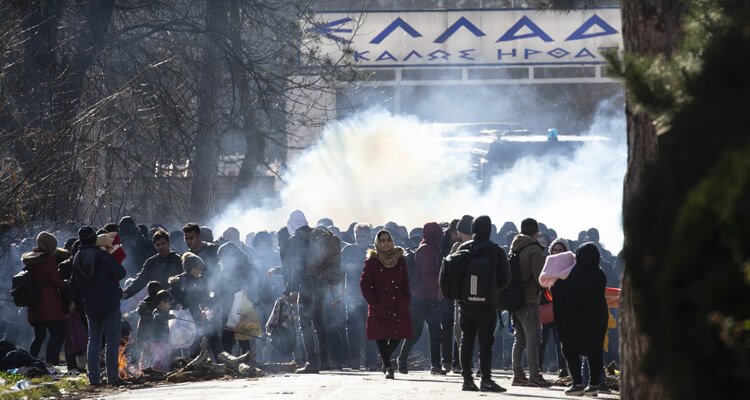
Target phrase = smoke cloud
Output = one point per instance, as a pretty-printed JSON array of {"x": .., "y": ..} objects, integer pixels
[{"x": 376, "y": 167}]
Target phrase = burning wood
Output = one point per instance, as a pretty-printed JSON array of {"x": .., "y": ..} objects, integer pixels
[{"x": 126, "y": 370}]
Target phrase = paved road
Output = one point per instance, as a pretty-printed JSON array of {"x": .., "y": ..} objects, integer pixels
[{"x": 338, "y": 385}]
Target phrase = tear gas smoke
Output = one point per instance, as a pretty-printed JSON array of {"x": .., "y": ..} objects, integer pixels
[{"x": 376, "y": 167}]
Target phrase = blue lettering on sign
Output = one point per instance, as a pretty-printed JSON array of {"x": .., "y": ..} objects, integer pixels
[
  {"x": 530, "y": 52},
  {"x": 412, "y": 53},
  {"x": 558, "y": 53},
  {"x": 360, "y": 55},
  {"x": 386, "y": 56},
  {"x": 465, "y": 54},
  {"x": 584, "y": 53},
  {"x": 397, "y": 23},
  {"x": 595, "y": 20},
  {"x": 500, "y": 54},
  {"x": 329, "y": 28},
  {"x": 536, "y": 31},
  {"x": 462, "y": 22},
  {"x": 442, "y": 55}
]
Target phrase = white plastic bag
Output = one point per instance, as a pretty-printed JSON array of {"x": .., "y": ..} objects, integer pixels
[
  {"x": 182, "y": 329},
  {"x": 243, "y": 319}
]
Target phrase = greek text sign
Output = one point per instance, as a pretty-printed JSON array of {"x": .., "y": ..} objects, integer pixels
[{"x": 491, "y": 37}]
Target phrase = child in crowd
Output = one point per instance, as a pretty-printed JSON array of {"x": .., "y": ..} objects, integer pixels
[
  {"x": 146, "y": 313},
  {"x": 158, "y": 346}
]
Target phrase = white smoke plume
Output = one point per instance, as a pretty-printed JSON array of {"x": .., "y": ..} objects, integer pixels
[{"x": 376, "y": 167}]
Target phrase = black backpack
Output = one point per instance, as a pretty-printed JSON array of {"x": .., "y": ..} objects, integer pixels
[
  {"x": 480, "y": 281},
  {"x": 24, "y": 291},
  {"x": 453, "y": 272},
  {"x": 324, "y": 256},
  {"x": 512, "y": 297}
]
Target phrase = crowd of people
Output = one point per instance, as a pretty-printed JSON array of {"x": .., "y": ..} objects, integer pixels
[{"x": 373, "y": 299}]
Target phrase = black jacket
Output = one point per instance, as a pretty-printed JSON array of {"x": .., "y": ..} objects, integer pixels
[
  {"x": 294, "y": 257},
  {"x": 489, "y": 249},
  {"x": 96, "y": 276},
  {"x": 156, "y": 268}
]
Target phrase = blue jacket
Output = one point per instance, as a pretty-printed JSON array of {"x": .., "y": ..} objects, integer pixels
[{"x": 96, "y": 276}]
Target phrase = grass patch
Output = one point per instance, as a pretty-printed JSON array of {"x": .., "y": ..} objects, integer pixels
[{"x": 43, "y": 387}]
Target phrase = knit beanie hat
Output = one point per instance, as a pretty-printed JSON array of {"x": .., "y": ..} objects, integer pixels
[
  {"x": 87, "y": 235},
  {"x": 47, "y": 242}
]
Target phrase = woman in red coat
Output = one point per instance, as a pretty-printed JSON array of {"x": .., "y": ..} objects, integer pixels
[
  {"x": 385, "y": 287},
  {"x": 46, "y": 315}
]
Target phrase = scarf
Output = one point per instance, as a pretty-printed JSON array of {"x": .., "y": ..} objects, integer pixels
[{"x": 389, "y": 259}]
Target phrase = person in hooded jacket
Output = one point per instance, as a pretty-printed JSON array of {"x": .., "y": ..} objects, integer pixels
[
  {"x": 581, "y": 317},
  {"x": 97, "y": 275},
  {"x": 237, "y": 274},
  {"x": 47, "y": 314},
  {"x": 425, "y": 290},
  {"x": 479, "y": 320},
  {"x": 385, "y": 286},
  {"x": 308, "y": 291},
  {"x": 526, "y": 319}
]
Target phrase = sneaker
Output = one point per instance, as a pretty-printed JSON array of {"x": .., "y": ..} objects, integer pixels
[
  {"x": 469, "y": 386},
  {"x": 403, "y": 368},
  {"x": 437, "y": 370},
  {"x": 491, "y": 386},
  {"x": 389, "y": 374},
  {"x": 519, "y": 381},
  {"x": 591, "y": 391},
  {"x": 563, "y": 373},
  {"x": 308, "y": 369},
  {"x": 479, "y": 373},
  {"x": 538, "y": 381},
  {"x": 575, "y": 390}
]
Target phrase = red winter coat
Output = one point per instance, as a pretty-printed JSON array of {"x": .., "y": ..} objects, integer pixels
[
  {"x": 386, "y": 291},
  {"x": 46, "y": 276}
]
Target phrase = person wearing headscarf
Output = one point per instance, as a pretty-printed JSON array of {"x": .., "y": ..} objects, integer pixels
[
  {"x": 426, "y": 291},
  {"x": 47, "y": 314},
  {"x": 581, "y": 317},
  {"x": 385, "y": 287}
]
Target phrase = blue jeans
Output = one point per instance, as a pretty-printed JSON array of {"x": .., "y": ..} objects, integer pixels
[
  {"x": 528, "y": 336},
  {"x": 109, "y": 328}
]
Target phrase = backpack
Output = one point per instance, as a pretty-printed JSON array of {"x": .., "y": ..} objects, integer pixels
[
  {"x": 24, "y": 291},
  {"x": 453, "y": 272},
  {"x": 480, "y": 281},
  {"x": 512, "y": 297},
  {"x": 324, "y": 256}
]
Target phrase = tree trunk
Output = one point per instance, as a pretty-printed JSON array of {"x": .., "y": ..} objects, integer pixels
[
  {"x": 206, "y": 161},
  {"x": 649, "y": 27}
]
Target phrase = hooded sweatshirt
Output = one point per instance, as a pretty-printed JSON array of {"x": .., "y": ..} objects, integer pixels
[
  {"x": 424, "y": 283},
  {"x": 481, "y": 230}
]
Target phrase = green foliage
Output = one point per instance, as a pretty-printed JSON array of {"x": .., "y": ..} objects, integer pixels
[
  {"x": 688, "y": 230},
  {"x": 43, "y": 387}
]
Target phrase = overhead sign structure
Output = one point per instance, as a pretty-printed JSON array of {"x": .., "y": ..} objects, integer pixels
[{"x": 465, "y": 38}]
